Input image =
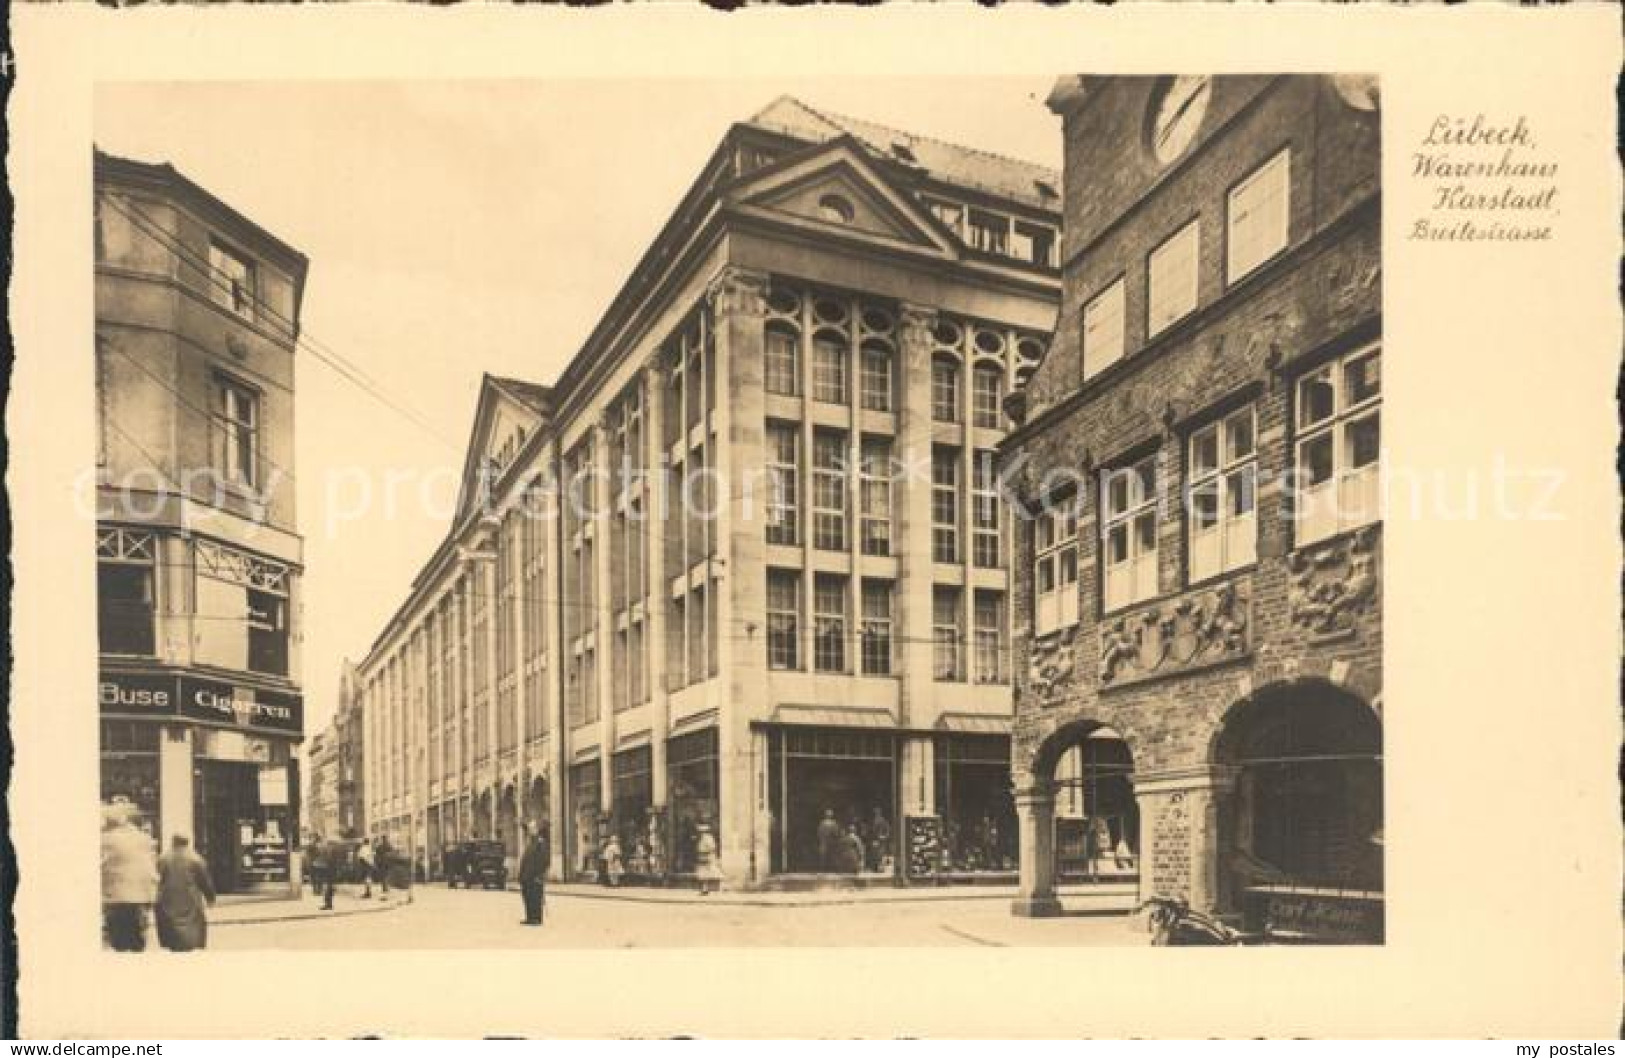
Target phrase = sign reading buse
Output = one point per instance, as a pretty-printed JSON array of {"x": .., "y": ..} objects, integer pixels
[{"x": 207, "y": 700}]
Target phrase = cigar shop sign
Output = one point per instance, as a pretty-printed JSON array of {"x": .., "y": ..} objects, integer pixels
[{"x": 208, "y": 701}]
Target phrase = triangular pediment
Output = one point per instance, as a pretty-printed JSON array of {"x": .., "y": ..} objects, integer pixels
[
  {"x": 503, "y": 422},
  {"x": 836, "y": 189}
]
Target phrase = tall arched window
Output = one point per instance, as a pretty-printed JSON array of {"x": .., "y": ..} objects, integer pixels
[{"x": 945, "y": 389}]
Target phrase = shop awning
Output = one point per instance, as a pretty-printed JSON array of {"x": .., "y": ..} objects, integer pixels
[
  {"x": 973, "y": 724},
  {"x": 832, "y": 716}
]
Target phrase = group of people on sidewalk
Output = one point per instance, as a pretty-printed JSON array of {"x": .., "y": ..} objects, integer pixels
[
  {"x": 853, "y": 849},
  {"x": 174, "y": 888},
  {"x": 537, "y": 853},
  {"x": 329, "y": 858},
  {"x": 612, "y": 868}
]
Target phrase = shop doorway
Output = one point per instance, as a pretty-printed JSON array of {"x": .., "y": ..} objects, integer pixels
[
  {"x": 1096, "y": 815},
  {"x": 974, "y": 801},
  {"x": 828, "y": 789},
  {"x": 241, "y": 816}
]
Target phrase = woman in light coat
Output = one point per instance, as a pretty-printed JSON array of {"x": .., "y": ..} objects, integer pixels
[
  {"x": 707, "y": 870},
  {"x": 184, "y": 890}
]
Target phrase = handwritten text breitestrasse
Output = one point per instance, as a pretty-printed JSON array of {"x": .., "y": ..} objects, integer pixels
[{"x": 1487, "y": 182}]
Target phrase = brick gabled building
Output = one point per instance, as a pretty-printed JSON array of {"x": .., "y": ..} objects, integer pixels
[{"x": 1198, "y": 596}]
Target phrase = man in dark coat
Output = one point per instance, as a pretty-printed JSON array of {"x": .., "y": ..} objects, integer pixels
[
  {"x": 533, "y": 876},
  {"x": 324, "y": 869},
  {"x": 184, "y": 890}
]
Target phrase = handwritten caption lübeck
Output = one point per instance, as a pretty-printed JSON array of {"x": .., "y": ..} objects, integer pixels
[{"x": 1486, "y": 182}]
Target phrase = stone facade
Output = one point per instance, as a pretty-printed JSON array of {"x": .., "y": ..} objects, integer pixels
[
  {"x": 829, "y": 292},
  {"x": 199, "y": 560},
  {"x": 1170, "y": 672}
]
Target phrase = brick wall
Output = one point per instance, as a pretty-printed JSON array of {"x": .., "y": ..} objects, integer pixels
[{"x": 1247, "y": 343}]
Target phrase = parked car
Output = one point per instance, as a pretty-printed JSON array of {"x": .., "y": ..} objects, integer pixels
[{"x": 481, "y": 863}]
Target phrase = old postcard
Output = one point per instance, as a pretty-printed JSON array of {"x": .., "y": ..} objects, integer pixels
[{"x": 821, "y": 523}]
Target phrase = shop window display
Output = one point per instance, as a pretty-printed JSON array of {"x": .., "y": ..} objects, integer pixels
[
  {"x": 1097, "y": 819},
  {"x": 633, "y": 775},
  {"x": 585, "y": 787},
  {"x": 691, "y": 767},
  {"x": 974, "y": 801},
  {"x": 833, "y": 797},
  {"x": 130, "y": 768}
]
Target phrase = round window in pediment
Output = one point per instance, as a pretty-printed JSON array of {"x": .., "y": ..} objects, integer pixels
[{"x": 836, "y": 209}]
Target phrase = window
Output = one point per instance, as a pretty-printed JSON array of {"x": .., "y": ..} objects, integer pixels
[
  {"x": 877, "y": 625},
  {"x": 829, "y": 622},
  {"x": 1223, "y": 476},
  {"x": 989, "y": 625},
  {"x": 1172, "y": 280},
  {"x": 1055, "y": 566},
  {"x": 1257, "y": 217},
  {"x": 242, "y": 610},
  {"x": 945, "y": 389},
  {"x": 125, "y": 597},
  {"x": 1034, "y": 242},
  {"x": 1103, "y": 331},
  {"x": 829, "y": 369},
  {"x": 1130, "y": 531},
  {"x": 231, "y": 280},
  {"x": 783, "y": 469},
  {"x": 945, "y": 504},
  {"x": 267, "y": 633},
  {"x": 874, "y": 495},
  {"x": 947, "y": 660},
  {"x": 782, "y": 362},
  {"x": 836, "y": 209},
  {"x": 988, "y": 232},
  {"x": 875, "y": 378},
  {"x": 783, "y": 619},
  {"x": 987, "y": 382},
  {"x": 236, "y": 426},
  {"x": 985, "y": 511},
  {"x": 829, "y": 490},
  {"x": 1339, "y": 440}
]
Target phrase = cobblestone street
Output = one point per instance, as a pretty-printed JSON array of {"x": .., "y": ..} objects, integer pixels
[{"x": 438, "y": 918}]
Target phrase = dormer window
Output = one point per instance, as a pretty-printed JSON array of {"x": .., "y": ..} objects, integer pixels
[
  {"x": 903, "y": 153},
  {"x": 836, "y": 209}
]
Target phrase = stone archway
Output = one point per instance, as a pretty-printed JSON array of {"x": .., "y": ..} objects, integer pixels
[
  {"x": 1079, "y": 818},
  {"x": 1305, "y": 808}
]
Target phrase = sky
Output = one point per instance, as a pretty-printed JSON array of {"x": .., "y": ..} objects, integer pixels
[{"x": 458, "y": 228}]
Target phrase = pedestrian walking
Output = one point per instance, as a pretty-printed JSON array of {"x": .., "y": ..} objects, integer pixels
[
  {"x": 129, "y": 877},
  {"x": 184, "y": 893},
  {"x": 614, "y": 862},
  {"x": 324, "y": 869},
  {"x": 366, "y": 863},
  {"x": 384, "y": 856},
  {"x": 707, "y": 865},
  {"x": 533, "y": 876}
]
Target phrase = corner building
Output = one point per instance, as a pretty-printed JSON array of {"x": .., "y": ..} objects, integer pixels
[
  {"x": 1198, "y": 599},
  {"x": 777, "y": 586},
  {"x": 198, "y": 558}
]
